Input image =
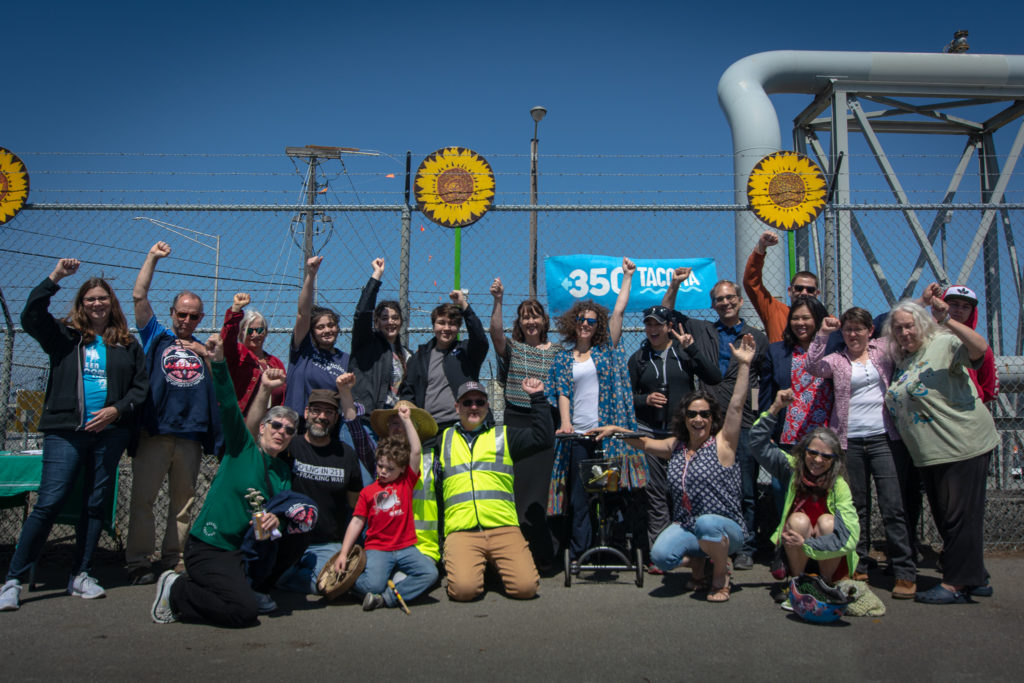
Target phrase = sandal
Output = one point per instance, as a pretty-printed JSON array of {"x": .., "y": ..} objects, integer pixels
[
  {"x": 940, "y": 595},
  {"x": 697, "y": 583},
  {"x": 720, "y": 593}
]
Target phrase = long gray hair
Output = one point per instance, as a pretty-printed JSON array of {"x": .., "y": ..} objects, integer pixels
[
  {"x": 837, "y": 470},
  {"x": 927, "y": 328}
]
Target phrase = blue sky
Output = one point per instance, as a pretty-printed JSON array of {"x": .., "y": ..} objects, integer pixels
[{"x": 619, "y": 79}]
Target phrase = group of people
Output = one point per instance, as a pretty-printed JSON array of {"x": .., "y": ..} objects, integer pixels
[{"x": 397, "y": 450}]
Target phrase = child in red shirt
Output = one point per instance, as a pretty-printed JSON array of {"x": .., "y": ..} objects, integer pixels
[{"x": 384, "y": 509}]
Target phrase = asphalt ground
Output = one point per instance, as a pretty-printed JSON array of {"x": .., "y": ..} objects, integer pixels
[{"x": 601, "y": 630}]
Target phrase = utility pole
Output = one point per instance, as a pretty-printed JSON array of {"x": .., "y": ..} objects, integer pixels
[{"x": 312, "y": 155}]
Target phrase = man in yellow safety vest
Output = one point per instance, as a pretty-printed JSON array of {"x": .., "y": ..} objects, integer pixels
[{"x": 480, "y": 520}]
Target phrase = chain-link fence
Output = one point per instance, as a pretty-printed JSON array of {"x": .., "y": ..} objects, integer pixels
[{"x": 220, "y": 250}]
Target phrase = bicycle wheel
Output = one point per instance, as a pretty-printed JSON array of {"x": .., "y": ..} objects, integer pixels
[{"x": 568, "y": 572}]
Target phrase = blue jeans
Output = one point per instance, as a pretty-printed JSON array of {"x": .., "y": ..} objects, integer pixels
[
  {"x": 579, "y": 503},
  {"x": 675, "y": 542},
  {"x": 65, "y": 454},
  {"x": 301, "y": 577},
  {"x": 420, "y": 574}
]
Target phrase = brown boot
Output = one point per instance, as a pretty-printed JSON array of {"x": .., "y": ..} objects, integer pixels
[{"x": 904, "y": 589}]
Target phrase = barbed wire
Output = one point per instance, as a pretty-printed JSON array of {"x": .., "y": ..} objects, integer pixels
[{"x": 496, "y": 155}]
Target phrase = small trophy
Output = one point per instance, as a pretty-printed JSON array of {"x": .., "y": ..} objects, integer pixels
[{"x": 255, "y": 500}]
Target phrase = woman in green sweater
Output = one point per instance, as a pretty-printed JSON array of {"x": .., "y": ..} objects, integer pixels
[{"x": 216, "y": 589}]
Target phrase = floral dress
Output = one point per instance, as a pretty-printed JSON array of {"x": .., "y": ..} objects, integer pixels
[
  {"x": 812, "y": 400},
  {"x": 615, "y": 407}
]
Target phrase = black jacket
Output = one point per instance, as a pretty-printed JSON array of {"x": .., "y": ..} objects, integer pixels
[
  {"x": 645, "y": 375},
  {"x": 371, "y": 353},
  {"x": 462, "y": 361},
  {"x": 127, "y": 380}
]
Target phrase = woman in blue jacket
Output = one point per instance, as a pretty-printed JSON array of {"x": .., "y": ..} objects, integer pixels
[{"x": 97, "y": 382}]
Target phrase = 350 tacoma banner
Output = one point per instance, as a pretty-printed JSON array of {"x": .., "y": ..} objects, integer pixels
[{"x": 573, "y": 277}]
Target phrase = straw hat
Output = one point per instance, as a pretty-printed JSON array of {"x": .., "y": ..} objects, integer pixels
[
  {"x": 333, "y": 585},
  {"x": 421, "y": 420}
]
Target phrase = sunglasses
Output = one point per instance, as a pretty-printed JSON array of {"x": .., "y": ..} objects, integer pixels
[
  {"x": 256, "y": 330},
  {"x": 96, "y": 299},
  {"x": 706, "y": 414},
  {"x": 586, "y": 321},
  {"x": 724, "y": 297},
  {"x": 474, "y": 402},
  {"x": 182, "y": 315},
  {"x": 278, "y": 426},
  {"x": 805, "y": 289},
  {"x": 818, "y": 454}
]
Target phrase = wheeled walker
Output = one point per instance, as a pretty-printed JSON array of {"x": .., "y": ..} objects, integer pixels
[{"x": 611, "y": 512}]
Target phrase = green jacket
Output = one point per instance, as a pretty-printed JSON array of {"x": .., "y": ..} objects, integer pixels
[
  {"x": 225, "y": 516},
  {"x": 843, "y": 539}
]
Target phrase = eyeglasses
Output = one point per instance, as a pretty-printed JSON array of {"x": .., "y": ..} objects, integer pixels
[
  {"x": 473, "y": 402},
  {"x": 256, "y": 330},
  {"x": 278, "y": 426},
  {"x": 805, "y": 289},
  {"x": 724, "y": 298},
  {"x": 706, "y": 414},
  {"x": 321, "y": 410},
  {"x": 586, "y": 321},
  {"x": 96, "y": 299},
  {"x": 182, "y": 315},
  {"x": 818, "y": 454}
]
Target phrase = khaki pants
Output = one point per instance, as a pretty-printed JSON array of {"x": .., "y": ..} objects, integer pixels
[
  {"x": 159, "y": 456},
  {"x": 466, "y": 554}
]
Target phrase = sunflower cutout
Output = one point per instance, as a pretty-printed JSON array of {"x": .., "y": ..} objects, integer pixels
[
  {"x": 786, "y": 190},
  {"x": 13, "y": 185},
  {"x": 454, "y": 187}
]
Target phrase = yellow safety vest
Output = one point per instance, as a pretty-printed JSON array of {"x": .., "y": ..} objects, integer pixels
[
  {"x": 424, "y": 510},
  {"x": 477, "y": 485}
]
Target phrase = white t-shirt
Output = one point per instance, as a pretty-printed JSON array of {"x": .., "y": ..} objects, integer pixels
[
  {"x": 867, "y": 402},
  {"x": 585, "y": 396}
]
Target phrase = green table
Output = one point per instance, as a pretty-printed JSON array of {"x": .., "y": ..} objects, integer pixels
[{"x": 20, "y": 473}]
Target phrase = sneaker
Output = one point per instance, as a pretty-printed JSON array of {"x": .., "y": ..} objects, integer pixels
[
  {"x": 10, "y": 594},
  {"x": 743, "y": 562},
  {"x": 141, "y": 576},
  {"x": 264, "y": 603},
  {"x": 162, "y": 612},
  {"x": 84, "y": 586},
  {"x": 780, "y": 591},
  {"x": 372, "y": 601},
  {"x": 787, "y": 605}
]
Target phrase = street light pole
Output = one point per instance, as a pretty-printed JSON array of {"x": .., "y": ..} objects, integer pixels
[{"x": 537, "y": 113}]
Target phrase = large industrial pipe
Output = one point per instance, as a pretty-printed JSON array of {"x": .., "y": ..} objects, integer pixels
[{"x": 743, "y": 95}]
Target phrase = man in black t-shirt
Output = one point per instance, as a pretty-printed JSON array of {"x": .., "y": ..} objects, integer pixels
[{"x": 326, "y": 470}]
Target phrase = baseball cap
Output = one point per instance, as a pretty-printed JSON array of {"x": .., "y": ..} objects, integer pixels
[
  {"x": 467, "y": 387},
  {"x": 962, "y": 292},
  {"x": 659, "y": 313}
]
